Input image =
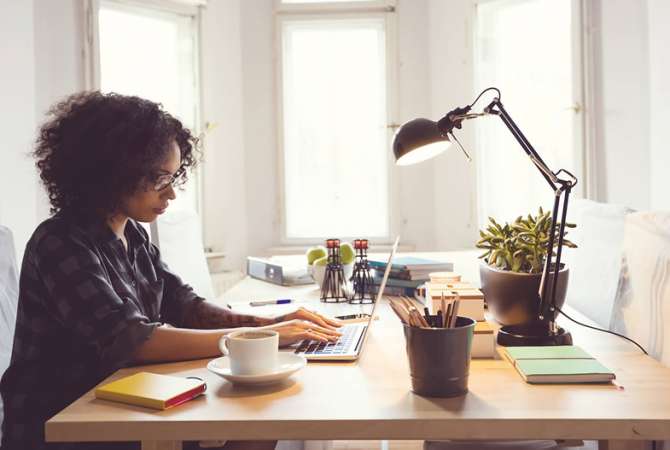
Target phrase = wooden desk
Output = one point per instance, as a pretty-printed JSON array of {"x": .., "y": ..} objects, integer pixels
[{"x": 371, "y": 399}]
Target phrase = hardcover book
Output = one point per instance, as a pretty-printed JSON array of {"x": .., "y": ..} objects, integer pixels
[
  {"x": 151, "y": 390},
  {"x": 410, "y": 263},
  {"x": 557, "y": 364}
]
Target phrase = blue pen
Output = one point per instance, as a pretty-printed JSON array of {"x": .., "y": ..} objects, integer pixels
[{"x": 280, "y": 301}]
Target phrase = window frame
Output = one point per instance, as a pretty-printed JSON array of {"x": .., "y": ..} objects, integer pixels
[
  {"x": 382, "y": 9},
  {"x": 334, "y": 7},
  {"x": 191, "y": 8}
]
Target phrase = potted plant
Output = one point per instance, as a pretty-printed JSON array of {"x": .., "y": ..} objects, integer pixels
[{"x": 513, "y": 264}]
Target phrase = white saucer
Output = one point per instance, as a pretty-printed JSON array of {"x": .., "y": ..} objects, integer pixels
[{"x": 287, "y": 364}]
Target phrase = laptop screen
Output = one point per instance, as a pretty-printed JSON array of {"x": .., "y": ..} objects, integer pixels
[{"x": 380, "y": 292}]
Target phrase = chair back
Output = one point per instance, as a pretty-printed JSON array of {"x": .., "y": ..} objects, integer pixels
[
  {"x": 179, "y": 238},
  {"x": 9, "y": 298}
]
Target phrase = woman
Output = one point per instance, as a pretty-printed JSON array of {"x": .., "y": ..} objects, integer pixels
[{"x": 94, "y": 294}]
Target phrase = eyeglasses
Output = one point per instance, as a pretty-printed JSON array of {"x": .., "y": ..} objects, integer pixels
[{"x": 176, "y": 179}]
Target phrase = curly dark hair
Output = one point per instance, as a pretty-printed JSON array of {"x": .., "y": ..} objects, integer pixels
[{"x": 96, "y": 149}]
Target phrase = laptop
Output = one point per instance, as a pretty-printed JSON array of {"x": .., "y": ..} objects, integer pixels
[{"x": 350, "y": 345}]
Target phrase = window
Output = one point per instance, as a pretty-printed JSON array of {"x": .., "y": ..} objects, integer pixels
[
  {"x": 152, "y": 52},
  {"x": 529, "y": 50},
  {"x": 335, "y": 139}
]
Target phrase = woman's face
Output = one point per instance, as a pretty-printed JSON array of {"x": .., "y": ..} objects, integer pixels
[{"x": 148, "y": 203}]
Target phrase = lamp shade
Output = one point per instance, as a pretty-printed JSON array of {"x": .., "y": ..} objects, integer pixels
[{"x": 418, "y": 140}]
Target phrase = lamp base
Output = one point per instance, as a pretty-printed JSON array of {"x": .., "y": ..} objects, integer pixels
[{"x": 534, "y": 333}]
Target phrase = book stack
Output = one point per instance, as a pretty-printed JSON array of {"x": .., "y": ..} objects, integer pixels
[
  {"x": 448, "y": 286},
  {"x": 407, "y": 273}
]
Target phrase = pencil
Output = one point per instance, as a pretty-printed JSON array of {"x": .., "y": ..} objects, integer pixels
[
  {"x": 454, "y": 312},
  {"x": 443, "y": 305},
  {"x": 447, "y": 320},
  {"x": 400, "y": 311},
  {"x": 413, "y": 309},
  {"x": 393, "y": 307}
]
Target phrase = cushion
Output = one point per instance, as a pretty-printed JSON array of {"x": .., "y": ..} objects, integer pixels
[
  {"x": 596, "y": 264},
  {"x": 642, "y": 307}
]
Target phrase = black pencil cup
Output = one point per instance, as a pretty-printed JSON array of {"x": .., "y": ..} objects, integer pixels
[{"x": 439, "y": 358}]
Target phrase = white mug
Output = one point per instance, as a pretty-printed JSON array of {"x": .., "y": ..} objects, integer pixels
[{"x": 251, "y": 352}]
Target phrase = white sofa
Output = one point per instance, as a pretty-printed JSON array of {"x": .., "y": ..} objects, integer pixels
[
  {"x": 641, "y": 307},
  {"x": 620, "y": 274}
]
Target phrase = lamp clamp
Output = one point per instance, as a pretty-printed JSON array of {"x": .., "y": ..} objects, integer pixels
[{"x": 453, "y": 119}]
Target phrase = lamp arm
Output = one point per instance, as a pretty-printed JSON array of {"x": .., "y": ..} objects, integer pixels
[
  {"x": 547, "y": 303},
  {"x": 565, "y": 189},
  {"x": 495, "y": 107}
]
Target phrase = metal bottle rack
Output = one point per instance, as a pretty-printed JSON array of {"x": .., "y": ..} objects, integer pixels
[
  {"x": 361, "y": 278},
  {"x": 334, "y": 286}
]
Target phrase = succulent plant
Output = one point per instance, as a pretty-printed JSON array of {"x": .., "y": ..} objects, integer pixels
[{"x": 522, "y": 245}]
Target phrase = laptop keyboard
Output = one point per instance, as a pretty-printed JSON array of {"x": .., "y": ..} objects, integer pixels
[{"x": 342, "y": 346}]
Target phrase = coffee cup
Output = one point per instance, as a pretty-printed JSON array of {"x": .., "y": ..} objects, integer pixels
[{"x": 251, "y": 352}]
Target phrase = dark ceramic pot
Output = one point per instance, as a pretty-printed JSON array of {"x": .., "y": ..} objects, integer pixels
[{"x": 512, "y": 297}]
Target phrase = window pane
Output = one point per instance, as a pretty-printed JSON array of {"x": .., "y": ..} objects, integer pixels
[
  {"x": 524, "y": 47},
  {"x": 151, "y": 54},
  {"x": 335, "y": 138}
]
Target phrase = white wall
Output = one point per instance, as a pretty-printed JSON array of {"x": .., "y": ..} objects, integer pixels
[
  {"x": 225, "y": 173},
  {"x": 260, "y": 151},
  {"x": 59, "y": 67},
  {"x": 659, "y": 102},
  {"x": 45, "y": 58},
  {"x": 451, "y": 85},
  {"x": 18, "y": 183},
  {"x": 416, "y": 191}
]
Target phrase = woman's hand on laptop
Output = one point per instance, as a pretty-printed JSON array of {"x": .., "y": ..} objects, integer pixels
[
  {"x": 297, "y": 330},
  {"x": 311, "y": 316}
]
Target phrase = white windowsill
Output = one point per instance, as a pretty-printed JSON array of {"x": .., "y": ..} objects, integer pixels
[{"x": 301, "y": 249}]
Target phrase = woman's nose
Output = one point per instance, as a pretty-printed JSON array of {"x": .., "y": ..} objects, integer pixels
[{"x": 170, "y": 192}]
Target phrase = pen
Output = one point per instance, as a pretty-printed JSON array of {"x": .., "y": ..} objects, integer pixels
[{"x": 280, "y": 301}]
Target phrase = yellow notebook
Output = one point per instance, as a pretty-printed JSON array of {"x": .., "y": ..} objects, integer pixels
[{"x": 151, "y": 390}]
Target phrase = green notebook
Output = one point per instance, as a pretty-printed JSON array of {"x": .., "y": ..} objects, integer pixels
[
  {"x": 557, "y": 364},
  {"x": 549, "y": 352}
]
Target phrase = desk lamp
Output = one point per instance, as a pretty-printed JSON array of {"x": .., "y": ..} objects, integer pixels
[{"x": 422, "y": 139}]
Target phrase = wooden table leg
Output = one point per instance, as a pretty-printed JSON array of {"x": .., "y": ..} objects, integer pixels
[
  {"x": 624, "y": 445},
  {"x": 161, "y": 445}
]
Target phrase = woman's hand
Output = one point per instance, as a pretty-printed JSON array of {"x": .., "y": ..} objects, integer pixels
[
  {"x": 311, "y": 316},
  {"x": 297, "y": 330}
]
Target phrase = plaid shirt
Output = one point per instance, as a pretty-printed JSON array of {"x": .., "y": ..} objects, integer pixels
[{"x": 85, "y": 306}]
